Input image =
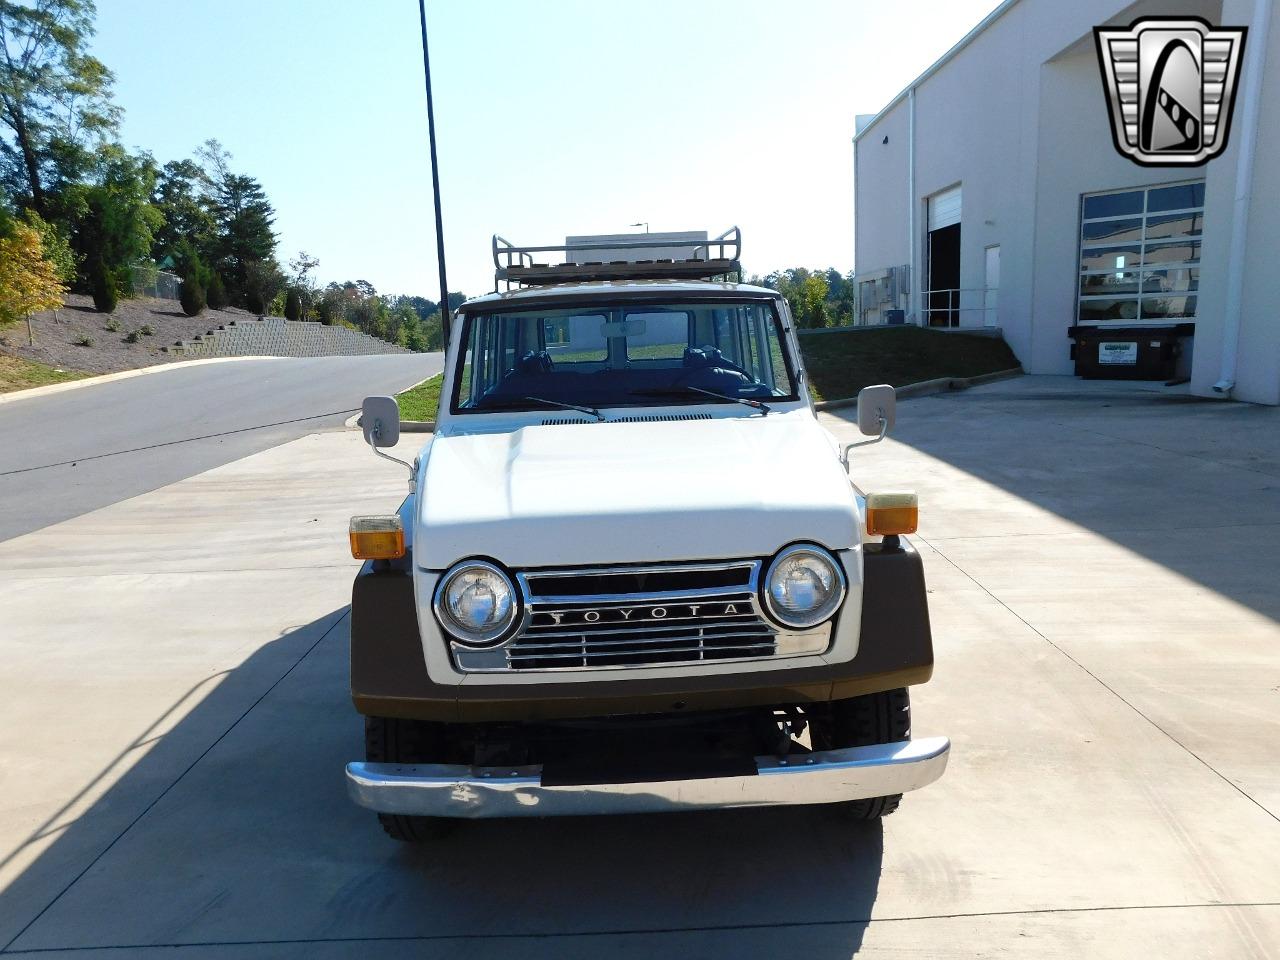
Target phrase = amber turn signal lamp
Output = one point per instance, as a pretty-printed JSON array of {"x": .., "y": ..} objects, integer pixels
[
  {"x": 377, "y": 538},
  {"x": 892, "y": 513}
]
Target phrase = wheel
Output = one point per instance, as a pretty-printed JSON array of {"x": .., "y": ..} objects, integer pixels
[
  {"x": 862, "y": 721},
  {"x": 390, "y": 740}
]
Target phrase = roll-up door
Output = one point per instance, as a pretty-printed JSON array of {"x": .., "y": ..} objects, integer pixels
[{"x": 944, "y": 208}]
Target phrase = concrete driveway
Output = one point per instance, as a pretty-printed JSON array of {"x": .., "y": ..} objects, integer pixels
[{"x": 1102, "y": 565}]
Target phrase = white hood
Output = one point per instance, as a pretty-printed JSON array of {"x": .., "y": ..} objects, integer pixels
[{"x": 604, "y": 493}]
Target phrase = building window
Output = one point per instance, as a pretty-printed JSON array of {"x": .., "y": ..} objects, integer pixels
[{"x": 1140, "y": 254}]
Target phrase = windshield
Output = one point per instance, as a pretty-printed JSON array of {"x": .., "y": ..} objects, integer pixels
[{"x": 611, "y": 354}]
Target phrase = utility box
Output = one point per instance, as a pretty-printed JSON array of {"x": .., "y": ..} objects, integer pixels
[{"x": 1125, "y": 353}]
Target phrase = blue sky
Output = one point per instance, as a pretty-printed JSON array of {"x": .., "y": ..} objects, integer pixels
[{"x": 553, "y": 117}]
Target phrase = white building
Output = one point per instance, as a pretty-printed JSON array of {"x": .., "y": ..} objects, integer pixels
[{"x": 989, "y": 193}]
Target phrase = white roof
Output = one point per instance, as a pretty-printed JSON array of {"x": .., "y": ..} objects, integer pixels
[{"x": 596, "y": 288}]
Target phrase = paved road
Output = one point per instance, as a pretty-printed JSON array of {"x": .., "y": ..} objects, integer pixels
[
  {"x": 174, "y": 717},
  {"x": 67, "y": 453}
]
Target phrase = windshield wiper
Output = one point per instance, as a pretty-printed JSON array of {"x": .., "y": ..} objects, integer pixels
[
  {"x": 567, "y": 406},
  {"x": 678, "y": 390}
]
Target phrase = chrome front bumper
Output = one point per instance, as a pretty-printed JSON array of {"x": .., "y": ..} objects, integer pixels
[{"x": 830, "y": 776}]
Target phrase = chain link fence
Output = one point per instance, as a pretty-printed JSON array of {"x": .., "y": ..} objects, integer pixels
[{"x": 150, "y": 281}]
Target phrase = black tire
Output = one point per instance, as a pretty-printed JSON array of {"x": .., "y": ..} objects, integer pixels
[
  {"x": 862, "y": 721},
  {"x": 390, "y": 740}
]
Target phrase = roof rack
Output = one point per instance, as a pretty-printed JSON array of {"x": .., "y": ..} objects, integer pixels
[{"x": 706, "y": 259}]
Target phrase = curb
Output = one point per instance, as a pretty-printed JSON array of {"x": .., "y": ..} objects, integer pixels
[
  {"x": 32, "y": 392},
  {"x": 406, "y": 426},
  {"x": 927, "y": 388}
]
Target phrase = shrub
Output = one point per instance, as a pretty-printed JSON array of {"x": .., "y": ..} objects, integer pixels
[
  {"x": 83, "y": 341},
  {"x": 292, "y": 306},
  {"x": 145, "y": 330},
  {"x": 133, "y": 336},
  {"x": 103, "y": 286},
  {"x": 112, "y": 325},
  {"x": 192, "y": 297},
  {"x": 216, "y": 292}
]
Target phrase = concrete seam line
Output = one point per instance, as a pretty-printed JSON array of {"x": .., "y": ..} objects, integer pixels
[
  {"x": 924, "y": 388},
  {"x": 653, "y": 931},
  {"x": 170, "y": 443},
  {"x": 178, "y": 779},
  {"x": 32, "y": 392},
  {"x": 1102, "y": 683}
]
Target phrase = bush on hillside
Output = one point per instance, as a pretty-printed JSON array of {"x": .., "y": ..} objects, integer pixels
[
  {"x": 216, "y": 292},
  {"x": 103, "y": 284},
  {"x": 293, "y": 306},
  {"x": 192, "y": 297}
]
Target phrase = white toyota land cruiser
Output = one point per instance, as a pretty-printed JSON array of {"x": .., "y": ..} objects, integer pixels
[{"x": 632, "y": 573}]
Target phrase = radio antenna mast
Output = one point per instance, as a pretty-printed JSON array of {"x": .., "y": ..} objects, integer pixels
[{"x": 435, "y": 176}]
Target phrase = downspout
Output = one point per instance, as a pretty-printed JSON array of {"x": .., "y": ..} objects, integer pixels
[
  {"x": 1252, "y": 94},
  {"x": 911, "y": 205}
]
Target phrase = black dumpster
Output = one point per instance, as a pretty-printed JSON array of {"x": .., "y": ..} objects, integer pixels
[{"x": 1126, "y": 353}]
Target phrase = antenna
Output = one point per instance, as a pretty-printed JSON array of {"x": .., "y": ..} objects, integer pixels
[{"x": 435, "y": 177}]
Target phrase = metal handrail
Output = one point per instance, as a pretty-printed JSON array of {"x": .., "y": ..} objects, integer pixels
[{"x": 954, "y": 301}]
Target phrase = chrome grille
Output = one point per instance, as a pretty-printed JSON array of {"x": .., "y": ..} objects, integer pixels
[
  {"x": 718, "y": 626},
  {"x": 634, "y": 616}
]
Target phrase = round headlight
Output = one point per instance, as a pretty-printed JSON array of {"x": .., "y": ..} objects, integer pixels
[
  {"x": 804, "y": 586},
  {"x": 475, "y": 602}
]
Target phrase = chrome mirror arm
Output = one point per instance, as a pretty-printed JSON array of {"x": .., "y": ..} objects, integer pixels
[
  {"x": 844, "y": 455},
  {"x": 413, "y": 472}
]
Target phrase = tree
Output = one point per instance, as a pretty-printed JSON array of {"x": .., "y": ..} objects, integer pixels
[
  {"x": 192, "y": 296},
  {"x": 216, "y": 293},
  {"x": 262, "y": 281},
  {"x": 293, "y": 304},
  {"x": 102, "y": 284},
  {"x": 54, "y": 246},
  {"x": 116, "y": 220},
  {"x": 243, "y": 217},
  {"x": 28, "y": 281},
  {"x": 55, "y": 99},
  {"x": 179, "y": 197},
  {"x": 300, "y": 280},
  {"x": 807, "y": 294}
]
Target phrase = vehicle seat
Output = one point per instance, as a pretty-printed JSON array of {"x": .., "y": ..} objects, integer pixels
[
  {"x": 535, "y": 361},
  {"x": 701, "y": 357}
]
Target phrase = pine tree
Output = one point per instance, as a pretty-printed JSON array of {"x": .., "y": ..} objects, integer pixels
[
  {"x": 216, "y": 292},
  {"x": 192, "y": 297},
  {"x": 103, "y": 285}
]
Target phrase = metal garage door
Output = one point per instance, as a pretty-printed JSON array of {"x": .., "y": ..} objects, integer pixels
[{"x": 944, "y": 208}]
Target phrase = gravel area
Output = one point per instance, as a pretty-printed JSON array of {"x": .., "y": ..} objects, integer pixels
[{"x": 55, "y": 339}]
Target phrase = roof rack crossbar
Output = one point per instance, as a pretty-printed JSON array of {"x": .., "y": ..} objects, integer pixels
[{"x": 706, "y": 258}]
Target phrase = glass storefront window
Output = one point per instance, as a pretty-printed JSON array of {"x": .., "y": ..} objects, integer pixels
[{"x": 1140, "y": 254}]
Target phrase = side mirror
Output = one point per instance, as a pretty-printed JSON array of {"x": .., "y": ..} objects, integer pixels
[
  {"x": 380, "y": 417},
  {"x": 876, "y": 408}
]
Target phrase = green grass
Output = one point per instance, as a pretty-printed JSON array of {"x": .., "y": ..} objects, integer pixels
[
  {"x": 841, "y": 364},
  {"x": 19, "y": 374},
  {"x": 421, "y": 402}
]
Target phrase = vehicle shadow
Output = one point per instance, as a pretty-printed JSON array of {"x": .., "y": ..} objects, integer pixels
[{"x": 233, "y": 826}]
